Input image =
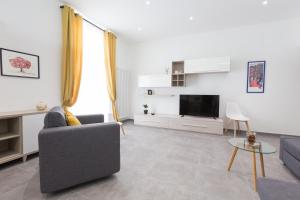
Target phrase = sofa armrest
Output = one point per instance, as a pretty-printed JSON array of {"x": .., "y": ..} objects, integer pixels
[
  {"x": 91, "y": 119},
  {"x": 75, "y": 154},
  {"x": 282, "y": 139}
]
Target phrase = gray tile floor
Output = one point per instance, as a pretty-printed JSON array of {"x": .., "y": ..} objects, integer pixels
[{"x": 157, "y": 164}]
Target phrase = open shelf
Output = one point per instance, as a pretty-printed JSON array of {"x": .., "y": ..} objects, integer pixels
[
  {"x": 157, "y": 94},
  {"x": 9, "y": 155},
  {"x": 178, "y": 76},
  {"x": 161, "y": 95},
  {"x": 5, "y": 136},
  {"x": 10, "y": 139},
  {"x": 178, "y": 67}
]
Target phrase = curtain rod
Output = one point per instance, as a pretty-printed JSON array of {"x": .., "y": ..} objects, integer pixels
[{"x": 91, "y": 23}]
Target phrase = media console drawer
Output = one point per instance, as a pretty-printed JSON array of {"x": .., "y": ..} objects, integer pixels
[
  {"x": 196, "y": 124},
  {"x": 149, "y": 120}
]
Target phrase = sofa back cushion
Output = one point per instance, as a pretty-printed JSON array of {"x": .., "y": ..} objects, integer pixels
[{"x": 55, "y": 118}]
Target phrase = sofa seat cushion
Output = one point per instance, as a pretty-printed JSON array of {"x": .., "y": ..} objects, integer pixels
[
  {"x": 269, "y": 189},
  {"x": 55, "y": 118},
  {"x": 292, "y": 146}
]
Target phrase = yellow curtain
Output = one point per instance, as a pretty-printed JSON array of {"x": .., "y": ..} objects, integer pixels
[
  {"x": 110, "y": 64},
  {"x": 71, "y": 56}
]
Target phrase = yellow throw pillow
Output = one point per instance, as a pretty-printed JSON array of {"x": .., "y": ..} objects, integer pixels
[{"x": 71, "y": 119}]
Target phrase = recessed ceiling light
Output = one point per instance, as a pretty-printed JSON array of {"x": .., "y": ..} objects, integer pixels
[
  {"x": 265, "y": 2},
  {"x": 139, "y": 28},
  {"x": 191, "y": 18},
  {"x": 148, "y": 3}
]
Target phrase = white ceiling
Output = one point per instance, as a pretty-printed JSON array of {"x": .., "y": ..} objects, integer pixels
[{"x": 164, "y": 18}]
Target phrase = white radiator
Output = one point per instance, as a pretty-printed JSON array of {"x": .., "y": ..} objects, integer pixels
[{"x": 123, "y": 95}]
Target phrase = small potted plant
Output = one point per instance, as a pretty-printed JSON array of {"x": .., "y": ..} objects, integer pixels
[{"x": 145, "y": 109}]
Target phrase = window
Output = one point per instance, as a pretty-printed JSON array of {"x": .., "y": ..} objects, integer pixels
[{"x": 93, "y": 96}]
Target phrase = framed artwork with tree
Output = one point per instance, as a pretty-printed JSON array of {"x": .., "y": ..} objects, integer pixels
[{"x": 19, "y": 64}]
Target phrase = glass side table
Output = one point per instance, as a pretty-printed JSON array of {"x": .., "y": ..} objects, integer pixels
[{"x": 261, "y": 149}]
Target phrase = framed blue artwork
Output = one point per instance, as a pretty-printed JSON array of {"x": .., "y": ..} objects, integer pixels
[{"x": 256, "y": 77}]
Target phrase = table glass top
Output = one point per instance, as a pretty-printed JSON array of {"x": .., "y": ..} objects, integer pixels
[{"x": 261, "y": 147}]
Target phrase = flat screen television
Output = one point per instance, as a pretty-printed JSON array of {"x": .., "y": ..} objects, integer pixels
[{"x": 199, "y": 105}]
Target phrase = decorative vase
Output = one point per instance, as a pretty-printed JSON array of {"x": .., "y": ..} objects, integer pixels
[
  {"x": 251, "y": 138},
  {"x": 41, "y": 106},
  {"x": 145, "y": 112}
]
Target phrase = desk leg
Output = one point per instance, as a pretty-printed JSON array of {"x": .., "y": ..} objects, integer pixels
[
  {"x": 232, "y": 158},
  {"x": 254, "y": 171},
  {"x": 262, "y": 165}
]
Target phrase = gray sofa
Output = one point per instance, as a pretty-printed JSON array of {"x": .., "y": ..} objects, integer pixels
[
  {"x": 290, "y": 153},
  {"x": 71, "y": 155},
  {"x": 269, "y": 189}
]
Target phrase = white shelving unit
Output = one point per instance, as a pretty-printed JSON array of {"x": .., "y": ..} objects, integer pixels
[
  {"x": 207, "y": 65},
  {"x": 155, "y": 80},
  {"x": 19, "y": 134},
  {"x": 159, "y": 95},
  {"x": 178, "y": 75}
]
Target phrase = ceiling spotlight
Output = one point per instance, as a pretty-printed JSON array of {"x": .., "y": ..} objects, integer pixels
[
  {"x": 148, "y": 3},
  {"x": 265, "y": 2},
  {"x": 191, "y": 18},
  {"x": 139, "y": 28}
]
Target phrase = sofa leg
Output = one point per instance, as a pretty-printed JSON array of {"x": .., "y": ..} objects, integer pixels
[
  {"x": 24, "y": 158},
  {"x": 282, "y": 162}
]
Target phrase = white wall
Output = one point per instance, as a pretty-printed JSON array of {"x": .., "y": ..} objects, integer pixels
[
  {"x": 124, "y": 54},
  {"x": 31, "y": 26},
  {"x": 34, "y": 26},
  {"x": 275, "y": 111},
  {"x": 124, "y": 67}
]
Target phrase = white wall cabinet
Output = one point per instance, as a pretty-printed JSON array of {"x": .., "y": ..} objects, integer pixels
[
  {"x": 32, "y": 124},
  {"x": 207, "y": 65},
  {"x": 182, "y": 68},
  {"x": 158, "y": 80}
]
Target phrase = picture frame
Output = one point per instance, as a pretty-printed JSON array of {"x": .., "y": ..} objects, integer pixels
[
  {"x": 256, "y": 76},
  {"x": 19, "y": 64},
  {"x": 150, "y": 92}
]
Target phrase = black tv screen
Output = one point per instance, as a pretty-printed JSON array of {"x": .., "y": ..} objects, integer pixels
[{"x": 199, "y": 105}]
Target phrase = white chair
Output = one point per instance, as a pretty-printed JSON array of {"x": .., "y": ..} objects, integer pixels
[{"x": 233, "y": 113}]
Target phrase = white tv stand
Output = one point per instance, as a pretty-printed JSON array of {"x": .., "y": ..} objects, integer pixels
[{"x": 187, "y": 123}]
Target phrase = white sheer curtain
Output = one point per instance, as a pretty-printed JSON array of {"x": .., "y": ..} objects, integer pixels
[{"x": 93, "y": 96}]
